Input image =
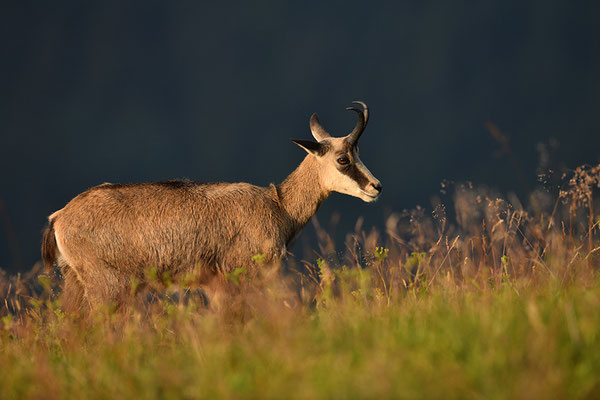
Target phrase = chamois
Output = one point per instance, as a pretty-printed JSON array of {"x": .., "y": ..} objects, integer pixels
[{"x": 113, "y": 232}]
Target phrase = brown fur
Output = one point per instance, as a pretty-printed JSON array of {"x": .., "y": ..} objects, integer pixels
[
  {"x": 111, "y": 233},
  {"x": 115, "y": 232}
]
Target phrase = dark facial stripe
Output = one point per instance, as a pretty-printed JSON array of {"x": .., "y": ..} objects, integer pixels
[
  {"x": 354, "y": 173},
  {"x": 324, "y": 148}
]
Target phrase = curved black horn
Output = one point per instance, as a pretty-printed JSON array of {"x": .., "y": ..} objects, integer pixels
[
  {"x": 317, "y": 130},
  {"x": 359, "y": 128},
  {"x": 365, "y": 110}
]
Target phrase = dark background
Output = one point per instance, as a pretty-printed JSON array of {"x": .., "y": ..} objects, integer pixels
[{"x": 138, "y": 91}]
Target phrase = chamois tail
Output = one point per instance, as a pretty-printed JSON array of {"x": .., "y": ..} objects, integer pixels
[{"x": 49, "y": 247}]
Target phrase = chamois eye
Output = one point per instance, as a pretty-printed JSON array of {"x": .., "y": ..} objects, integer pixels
[{"x": 343, "y": 160}]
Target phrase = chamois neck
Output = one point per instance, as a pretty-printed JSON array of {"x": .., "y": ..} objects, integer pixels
[{"x": 301, "y": 193}]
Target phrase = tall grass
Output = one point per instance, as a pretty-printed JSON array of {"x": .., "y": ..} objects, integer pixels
[{"x": 482, "y": 298}]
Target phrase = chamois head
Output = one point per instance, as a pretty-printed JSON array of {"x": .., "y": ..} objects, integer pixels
[{"x": 340, "y": 167}]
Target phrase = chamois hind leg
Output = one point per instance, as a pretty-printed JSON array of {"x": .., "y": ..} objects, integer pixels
[
  {"x": 103, "y": 285},
  {"x": 73, "y": 297}
]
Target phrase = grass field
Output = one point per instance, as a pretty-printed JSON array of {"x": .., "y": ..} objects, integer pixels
[{"x": 502, "y": 303}]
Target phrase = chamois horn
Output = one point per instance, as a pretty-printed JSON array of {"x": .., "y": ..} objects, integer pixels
[
  {"x": 363, "y": 118},
  {"x": 317, "y": 129}
]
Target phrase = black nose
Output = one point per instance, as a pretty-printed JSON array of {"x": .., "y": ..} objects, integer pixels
[{"x": 377, "y": 186}]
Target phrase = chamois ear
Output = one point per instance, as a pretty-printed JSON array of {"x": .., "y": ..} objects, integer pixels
[{"x": 310, "y": 146}]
